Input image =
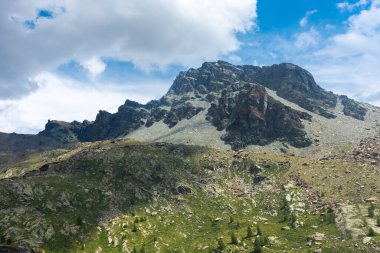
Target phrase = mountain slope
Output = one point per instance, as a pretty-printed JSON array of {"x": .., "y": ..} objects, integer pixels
[
  {"x": 239, "y": 106},
  {"x": 232, "y": 159},
  {"x": 117, "y": 196}
]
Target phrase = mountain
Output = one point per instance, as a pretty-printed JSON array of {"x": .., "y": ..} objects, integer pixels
[
  {"x": 230, "y": 159},
  {"x": 240, "y": 106}
]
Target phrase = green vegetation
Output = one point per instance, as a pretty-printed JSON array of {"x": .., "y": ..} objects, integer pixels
[
  {"x": 221, "y": 245},
  {"x": 234, "y": 239},
  {"x": 371, "y": 232},
  {"x": 329, "y": 218},
  {"x": 258, "y": 230},
  {"x": 371, "y": 211},
  {"x": 257, "y": 247},
  {"x": 250, "y": 233},
  {"x": 165, "y": 197}
]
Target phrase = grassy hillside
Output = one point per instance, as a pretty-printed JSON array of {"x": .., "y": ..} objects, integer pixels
[{"x": 125, "y": 196}]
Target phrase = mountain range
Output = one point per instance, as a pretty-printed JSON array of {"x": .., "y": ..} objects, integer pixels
[
  {"x": 231, "y": 159},
  {"x": 241, "y": 106}
]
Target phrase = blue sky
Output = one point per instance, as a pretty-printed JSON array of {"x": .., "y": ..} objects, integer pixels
[
  {"x": 277, "y": 22},
  {"x": 68, "y": 59},
  {"x": 275, "y": 18}
]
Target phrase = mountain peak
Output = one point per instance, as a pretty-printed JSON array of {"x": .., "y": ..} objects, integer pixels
[{"x": 240, "y": 105}]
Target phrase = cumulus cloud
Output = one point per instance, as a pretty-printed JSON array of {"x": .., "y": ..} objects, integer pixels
[
  {"x": 41, "y": 35},
  {"x": 346, "y": 6},
  {"x": 347, "y": 62},
  {"x": 305, "y": 40},
  {"x": 352, "y": 59},
  {"x": 94, "y": 65},
  {"x": 68, "y": 100},
  {"x": 303, "y": 22}
]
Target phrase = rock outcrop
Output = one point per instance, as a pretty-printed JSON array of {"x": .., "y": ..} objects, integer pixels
[
  {"x": 288, "y": 80},
  {"x": 253, "y": 117},
  {"x": 235, "y": 97},
  {"x": 353, "y": 108}
]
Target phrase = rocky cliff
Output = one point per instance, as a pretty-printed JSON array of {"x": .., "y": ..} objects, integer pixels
[{"x": 235, "y": 100}]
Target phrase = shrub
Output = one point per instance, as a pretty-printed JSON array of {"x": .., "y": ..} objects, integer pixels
[
  {"x": 249, "y": 231},
  {"x": 258, "y": 230},
  {"x": 257, "y": 248},
  {"x": 371, "y": 211},
  {"x": 234, "y": 239},
  {"x": 221, "y": 245},
  {"x": 371, "y": 232},
  {"x": 378, "y": 221},
  {"x": 293, "y": 219},
  {"x": 284, "y": 207},
  {"x": 329, "y": 218},
  {"x": 286, "y": 217},
  {"x": 231, "y": 219},
  {"x": 79, "y": 221},
  {"x": 134, "y": 228},
  {"x": 262, "y": 240},
  {"x": 2, "y": 239}
]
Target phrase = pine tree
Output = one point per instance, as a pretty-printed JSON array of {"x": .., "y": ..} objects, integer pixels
[
  {"x": 234, "y": 239},
  {"x": 79, "y": 221},
  {"x": 258, "y": 230},
  {"x": 210, "y": 249},
  {"x": 371, "y": 211},
  {"x": 371, "y": 232},
  {"x": 249, "y": 231},
  {"x": 257, "y": 247},
  {"x": 221, "y": 245}
]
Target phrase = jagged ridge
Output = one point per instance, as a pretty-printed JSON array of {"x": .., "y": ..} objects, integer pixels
[{"x": 222, "y": 86}]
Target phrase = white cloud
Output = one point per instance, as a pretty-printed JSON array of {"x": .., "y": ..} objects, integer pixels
[
  {"x": 303, "y": 22},
  {"x": 148, "y": 33},
  {"x": 94, "y": 65},
  {"x": 64, "y": 99},
  {"x": 346, "y": 62},
  {"x": 346, "y": 6},
  {"x": 305, "y": 40},
  {"x": 352, "y": 59}
]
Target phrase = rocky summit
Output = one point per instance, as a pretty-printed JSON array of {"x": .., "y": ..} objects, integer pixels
[
  {"x": 245, "y": 105},
  {"x": 231, "y": 159}
]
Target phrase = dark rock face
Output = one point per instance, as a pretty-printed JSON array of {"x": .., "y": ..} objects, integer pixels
[
  {"x": 253, "y": 117},
  {"x": 352, "y": 108},
  {"x": 128, "y": 118},
  {"x": 294, "y": 84},
  {"x": 108, "y": 126},
  {"x": 64, "y": 132},
  {"x": 289, "y": 81},
  {"x": 180, "y": 112}
]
